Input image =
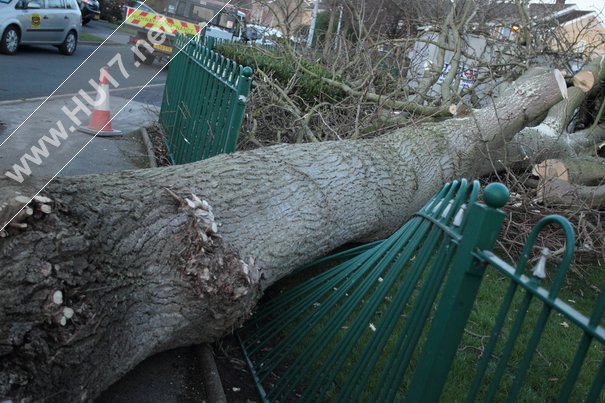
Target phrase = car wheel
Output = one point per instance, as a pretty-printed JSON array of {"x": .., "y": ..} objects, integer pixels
[
  {"x": 68, "y": 47},
  {"x": 9, "y": 43},
  {"x": 149, "y": 58}
]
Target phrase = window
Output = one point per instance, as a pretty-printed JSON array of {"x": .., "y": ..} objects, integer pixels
[
  {"x": 203, "y": 13},
  {"x": 54, "y": 4},
  {"x": 226, "y": 21},
  {"x": 180, "y": 8}
]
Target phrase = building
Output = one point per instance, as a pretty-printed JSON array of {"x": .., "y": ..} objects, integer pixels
[
  {"x": 561, "y": 35},
  {"x": 580, "y": 30},
  {"x": 287, "y": 15}
]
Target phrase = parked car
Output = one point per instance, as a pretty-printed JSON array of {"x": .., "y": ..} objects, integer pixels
[
  {"x": 139, "y": 5},
  {"x": 262, "y": 35},
  {"x": 90, "y": 9},
  {"x": 39, "y": 22}
]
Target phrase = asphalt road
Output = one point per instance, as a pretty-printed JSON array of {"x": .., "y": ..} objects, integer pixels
[
  {"x": 105, "y": 29},
  {"x": 38, "y": 71}
]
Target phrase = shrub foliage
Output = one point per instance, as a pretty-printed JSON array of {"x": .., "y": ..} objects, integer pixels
[{"x": 283, "y": 67}]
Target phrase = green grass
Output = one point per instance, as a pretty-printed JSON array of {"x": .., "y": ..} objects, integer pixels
[
  {"x": 554, "y": 353},
  {"x": 128, "y": 29},
  {"x": 86, "y": 37}
]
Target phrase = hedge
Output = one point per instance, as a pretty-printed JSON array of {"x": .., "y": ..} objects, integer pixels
[{"x": 282, "y": 67}]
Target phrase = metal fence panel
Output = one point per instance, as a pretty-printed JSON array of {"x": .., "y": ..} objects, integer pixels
[{"x": 204, "y": 101}]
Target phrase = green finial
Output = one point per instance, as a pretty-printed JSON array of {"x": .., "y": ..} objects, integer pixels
[
  {"x": 496, "y": 195},
  {"x": 247, "y": 71}
]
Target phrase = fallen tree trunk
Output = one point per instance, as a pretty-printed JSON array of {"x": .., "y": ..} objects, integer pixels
[
  {"x": 556, "y": 192},
  {"x": 581, "y": 170},
  {"x": 132, "y": 263},
  {"x": 550, "y": 139},
  {"x": 571, "y": 182}
]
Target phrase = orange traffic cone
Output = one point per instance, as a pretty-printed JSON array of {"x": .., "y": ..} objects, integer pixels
[{"x": 100, "y": 121}]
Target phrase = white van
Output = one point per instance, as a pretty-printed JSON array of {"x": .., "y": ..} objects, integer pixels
[{"x": 39, "y": 22}]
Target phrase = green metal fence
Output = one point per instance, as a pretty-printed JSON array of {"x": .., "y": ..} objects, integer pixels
[
  {"x": 204, "y": 101},
  {"x": 387, "y": 323}
]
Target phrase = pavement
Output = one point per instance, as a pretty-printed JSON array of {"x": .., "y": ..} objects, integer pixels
[
  {"x": 172, "y": 376},
  {"x": 163, "y": 378},
  {"x": 25, "y": 122}
]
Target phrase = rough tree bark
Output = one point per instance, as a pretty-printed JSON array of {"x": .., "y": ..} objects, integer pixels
[{"x": 125, "y": 266}]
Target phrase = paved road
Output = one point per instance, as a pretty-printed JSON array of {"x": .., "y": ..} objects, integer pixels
[{"x": 38, "y": 71}]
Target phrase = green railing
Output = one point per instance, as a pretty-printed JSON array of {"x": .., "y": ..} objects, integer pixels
[
  {"x": 387, "y": 323},
  {"x": 204, "y": 101}
]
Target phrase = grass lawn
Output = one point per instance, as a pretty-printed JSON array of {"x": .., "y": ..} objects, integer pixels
[
  {"x": 86, "y": 37},
  {"x": 554, "y": 354},
  {"x": 128, "y": 29}
]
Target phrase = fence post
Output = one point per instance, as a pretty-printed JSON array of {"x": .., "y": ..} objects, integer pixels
[
  {"x": 173, "y": 90},
  {"x": 237, "y": 114},
  {"x": 459, "y": 293},
  {"x": 210, "y": 42}
]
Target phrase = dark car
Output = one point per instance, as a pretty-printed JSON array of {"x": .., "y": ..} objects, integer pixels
[
  {"x": 139, "y": 5},
  {"x": 90, "y": 10}
]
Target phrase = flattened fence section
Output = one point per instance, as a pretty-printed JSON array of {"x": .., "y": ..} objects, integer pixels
[
  {"x": 390, "y": 322},
  {"x": 204, "y": 101}
]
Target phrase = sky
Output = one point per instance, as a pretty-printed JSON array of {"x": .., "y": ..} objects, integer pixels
[{"x": 594, "y": 5}]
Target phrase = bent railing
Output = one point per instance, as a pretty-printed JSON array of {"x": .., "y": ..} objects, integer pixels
[{"x": 387, "y": 323}]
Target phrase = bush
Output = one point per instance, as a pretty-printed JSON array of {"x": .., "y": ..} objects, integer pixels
[
  {"x": 282, "y": 67},
  {"x": 111, "y": 10}
]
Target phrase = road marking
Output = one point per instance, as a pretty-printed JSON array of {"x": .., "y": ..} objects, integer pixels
[
  {"x": 117, "y": 113},
  {"x": 20, "y": 100}
]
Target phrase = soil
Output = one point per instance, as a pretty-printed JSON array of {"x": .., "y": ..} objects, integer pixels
[
  {"x": 237, "y": 381},
  {"x": 156, "y": 136}
]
